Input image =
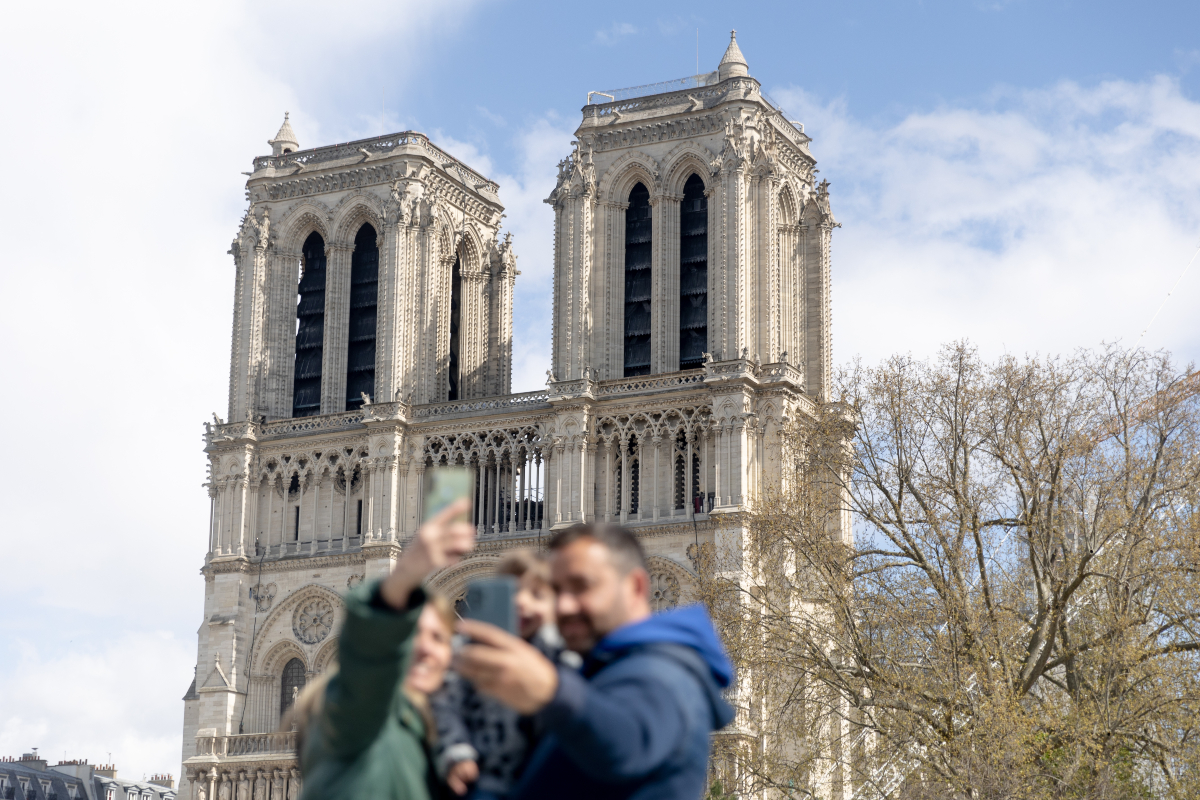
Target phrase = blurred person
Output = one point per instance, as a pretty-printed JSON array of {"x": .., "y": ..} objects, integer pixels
[
  {"x": 634, "y": 721},
  {"x": 366, "y": 731},
  {"x": 483, "y": 745}
]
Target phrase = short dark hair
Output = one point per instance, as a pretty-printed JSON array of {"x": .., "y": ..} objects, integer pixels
[{"x": 626, "y": 550}]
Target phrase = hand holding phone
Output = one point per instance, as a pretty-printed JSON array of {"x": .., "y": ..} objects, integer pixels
[{"x": 446, "y": 485}]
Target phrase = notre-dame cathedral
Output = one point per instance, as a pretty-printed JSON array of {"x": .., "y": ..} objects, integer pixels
[{"x": 372, "y": 340}]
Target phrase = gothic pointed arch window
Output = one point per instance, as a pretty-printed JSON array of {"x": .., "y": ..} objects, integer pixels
[
  {"x": 364, "y": 299},
  {"x": 637, "y": 282},
  {"x": 310, "y": 328},
  {"x": 291, "y": 683},
  {"x": 455, "y": 366},
  {"x": 693, "y": 274}
]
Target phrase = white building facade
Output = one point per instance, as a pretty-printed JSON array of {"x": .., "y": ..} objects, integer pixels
[{"x": 372, "y": 340}]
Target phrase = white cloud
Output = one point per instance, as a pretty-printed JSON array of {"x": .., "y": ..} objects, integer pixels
[
  {"x": 615, "y": 33},
  {"x": 126, "y": 123},
  {"x": 1042, "y": 221},
  {"x": 90, "y": 701}
]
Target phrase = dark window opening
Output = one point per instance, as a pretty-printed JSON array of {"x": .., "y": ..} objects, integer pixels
[
  {"x": 455, "y": 322},
  {"x": 637, "y": 282},
  {"x": 358, "y": 524},
  {"x": 310, "y": 329},
  {"x": 290, "y": 684},
  {"x": 364, "y": 298},
  {"x": 693, "y": 275},
  {"x": 296, "y": 526},
  {"x": 635, "y": 474},
  {"x": 680, "y": 489}
]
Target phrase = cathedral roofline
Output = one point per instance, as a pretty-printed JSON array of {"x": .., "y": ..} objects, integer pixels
[
  {"x": 621, "y": 114},
  {"x": 375, "y": 149}
]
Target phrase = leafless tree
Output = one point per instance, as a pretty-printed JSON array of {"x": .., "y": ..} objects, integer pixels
[{"x": 1017, "y": 611}]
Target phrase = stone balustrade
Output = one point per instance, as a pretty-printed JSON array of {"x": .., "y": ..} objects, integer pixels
[{"x": 247, "y": 744}]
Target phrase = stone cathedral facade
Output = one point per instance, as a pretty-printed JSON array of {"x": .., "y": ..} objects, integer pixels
[{"x": 372, "y": 340}]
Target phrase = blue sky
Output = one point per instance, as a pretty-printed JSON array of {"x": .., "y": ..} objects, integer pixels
[{"x": 1026, "y": 175}]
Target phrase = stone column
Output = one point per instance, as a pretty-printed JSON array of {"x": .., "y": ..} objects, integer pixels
[
  {"x": 213, "y": 543},
  {"x": 558, "y": 470},
  {"x": 543, "y": 470},
  {"x": 587, "y": 481},
  {"x": 657, "y": 440},
  {"x": 666, "y": 348},
  {"x": 625, "y": 482},
  {"x": 719, "y": 488},
  {"x": 420, "y": 493},
  {"x": 689, "y": 493},
  {"x": 608, "y": 480},
  {"x": 495, "y": 516}
]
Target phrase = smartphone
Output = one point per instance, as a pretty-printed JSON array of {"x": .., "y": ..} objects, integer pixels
[
  {"x": 492, "y": 600},
  {"x": 446, "y": 485}
]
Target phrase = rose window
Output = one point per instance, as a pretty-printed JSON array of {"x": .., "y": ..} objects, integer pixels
[{"x": 313, "y": 620}]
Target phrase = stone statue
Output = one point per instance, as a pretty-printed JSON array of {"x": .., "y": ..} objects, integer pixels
[
  {"x": 260, "y": 786},
  {"x": 201, "y": 794},
  {"x": 708, "y": 359},
  {"x": 217, "y": 420},
  {"x": 277, "y": 785},
  {"x": 366, "y": 398},
  {"x": 293, "y": 784},
  {"x": 550, "y": 377},
  {"x": 243, "y": 787},
  {"x": 264, "y": 228},
  {"x": 226, "y": 789}
]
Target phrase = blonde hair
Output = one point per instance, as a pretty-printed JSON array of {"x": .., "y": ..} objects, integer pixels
[
  {"x": 525, "y": 561},
  {"x": 311, "y": 700}
]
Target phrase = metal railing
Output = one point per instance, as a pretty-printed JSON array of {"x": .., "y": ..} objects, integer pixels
[{"x": 662, "y": 87}]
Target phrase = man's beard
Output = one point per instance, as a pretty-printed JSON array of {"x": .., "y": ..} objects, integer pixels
[{"x": 578, "y": 632}]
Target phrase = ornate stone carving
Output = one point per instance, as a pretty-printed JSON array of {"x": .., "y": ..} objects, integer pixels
[
  {"x": 313, "y": 620},
  {"x": 264, "y": 596},
  {"x": 664, "y": 591}
]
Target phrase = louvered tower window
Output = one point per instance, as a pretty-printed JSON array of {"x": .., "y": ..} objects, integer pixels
[
  {"x": 637, "y": 282},
  {"x": 310, "y": 329},
  {"x": 455, "y": 375},
  {"x": 364, "y": 295},
  {"x": 293, "y": 679},
  {"x": 693, "y": 275}
]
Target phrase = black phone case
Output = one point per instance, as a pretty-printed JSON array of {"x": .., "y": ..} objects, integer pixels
[{"x": 492, "y": 600}]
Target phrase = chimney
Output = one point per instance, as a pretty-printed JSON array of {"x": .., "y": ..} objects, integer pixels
[
  {"x": 33, "y": 760},
  {"x": 76, "y": 769},
  {"x": 106, "y": 770},
  {"x": 163, "y": 780}
]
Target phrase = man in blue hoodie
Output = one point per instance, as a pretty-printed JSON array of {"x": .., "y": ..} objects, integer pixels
[{"x": 634, "y": 722}]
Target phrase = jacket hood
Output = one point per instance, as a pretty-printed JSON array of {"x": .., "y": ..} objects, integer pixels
[{"x": 689, "y": 626}]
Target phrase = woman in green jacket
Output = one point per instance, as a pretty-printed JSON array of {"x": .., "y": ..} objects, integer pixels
[{"x": 364, "y": 736}]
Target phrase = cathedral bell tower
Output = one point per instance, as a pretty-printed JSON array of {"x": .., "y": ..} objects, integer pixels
[
  {"x": 690, "y": 227},
  {"x": 370, "y": 282}
]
